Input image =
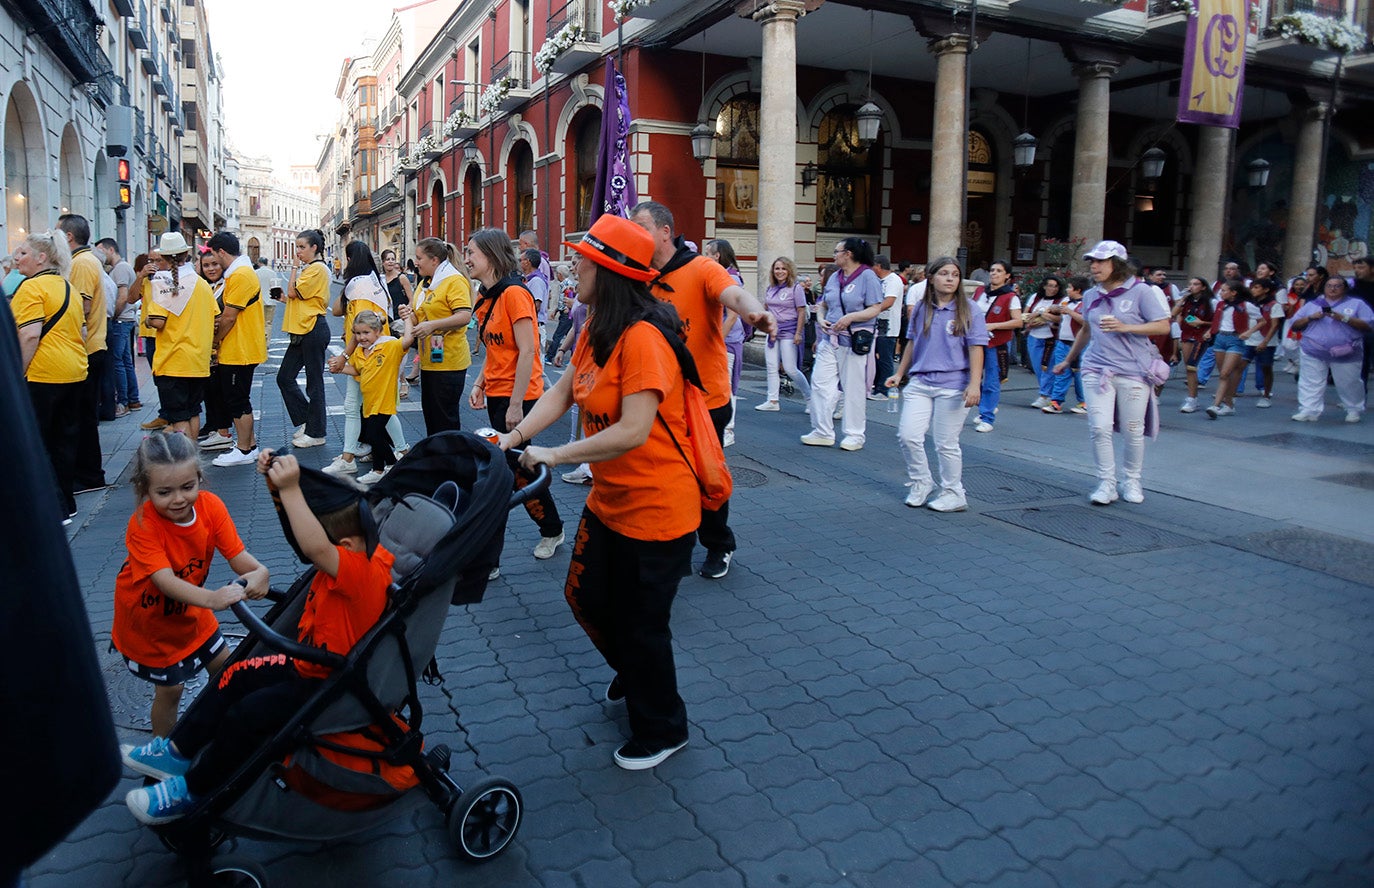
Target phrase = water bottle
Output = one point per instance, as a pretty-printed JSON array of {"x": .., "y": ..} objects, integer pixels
[{"x": 892, "y": 398}]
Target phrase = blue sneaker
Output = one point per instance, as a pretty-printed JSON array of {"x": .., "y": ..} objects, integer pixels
[
  {"x": 160, "y": 803},
  {"x": 156, "y": 759}
]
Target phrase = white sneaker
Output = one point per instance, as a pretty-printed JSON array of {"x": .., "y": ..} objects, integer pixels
[
  {"x": 729, "y": 439},
  {"x": 983, "y": 426},
  {"x": 839, "y": 411},
  {"x": 816, "y": 440},
  {"x": 216, "y": 441},
  {"x": 341, "y": 466},
  {"x": 1352, "y": 416},
  {"x": 547, "y": 546},
  {"x": 1041, "y": 401},
  {"x": 1225, "y": 410},
  {"x": 852, "y": 443},
  {"x": 1304, "y": 417},
  {"x": 371, "y": 477},
  {"x": 1105, "y": 494},
  {"x": 580, "y": 475},
  {"x": 302, "y": 441},
  {"x": 1081, "y": 409},
  {"x": 919, "y": 494},
  {"x": 948, "y": 502},
  {"x": 1131, "y": 492},
  {"x": 494, "y": 573},
  {"x": 1263, "y": 403},
  {"x": 298, "y": 431},
  {"x": 874, "y": 396},
  {"x": 768, "y": 407},
  {"x": 1189, "y": 406},
  {"x": 236, "y": 457}
]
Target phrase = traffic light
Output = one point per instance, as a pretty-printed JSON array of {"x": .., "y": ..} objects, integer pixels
[{"x": 125, "y": 198}]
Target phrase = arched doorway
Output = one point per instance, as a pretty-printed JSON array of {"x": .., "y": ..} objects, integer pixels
[
  {"x": 72, "y": 176},
  {"x": 586, "y": 140},
  {"x": 849, "y": 172},
  {"x": 980, "y": 230},
  {"x": 436, "y": 211},
  {"x": 522, "y": 162},
  {"x": 472, "y": 187},
  {"x": 26, "y": 182}
]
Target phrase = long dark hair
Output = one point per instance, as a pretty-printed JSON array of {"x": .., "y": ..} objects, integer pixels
[
  {"x": 861, "y": 249},
  {"x": 1040, "y": 291},
  {"x": 725, "y": 253},
  {"x": 620, "y": 304},
  {"x": 360, "y": 261}
]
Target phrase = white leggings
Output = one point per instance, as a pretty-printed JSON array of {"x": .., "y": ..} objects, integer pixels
[
  {"x": 941, "y": 412},
  {"x": 1312, "y": 385},
  {"x": 784, "y": 349},
  {"x": 836, "y": 366},
  {"x": 353, "y": 420},
  {"x": 1117, "y": 396}
]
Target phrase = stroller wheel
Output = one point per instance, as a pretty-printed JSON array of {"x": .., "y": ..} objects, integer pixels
[
  {"x": 484, "y": 819},
  {"x": 237, "y": 872}
]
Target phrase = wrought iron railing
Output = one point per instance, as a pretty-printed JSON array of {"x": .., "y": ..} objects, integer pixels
[
  {"x": 576, "y": 12},
  {"x": 514, "y": 65},
  {"x": 68, "y": 27}
]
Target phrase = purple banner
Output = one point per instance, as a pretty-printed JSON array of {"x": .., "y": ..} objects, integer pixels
[
  {"x": 1214, "y": 64},
  {"x": 615, "y": 183}
]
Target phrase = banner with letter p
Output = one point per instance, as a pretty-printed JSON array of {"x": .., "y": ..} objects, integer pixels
[{"x": 1214, "y": 64}]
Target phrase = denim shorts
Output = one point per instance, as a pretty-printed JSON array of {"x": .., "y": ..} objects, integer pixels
[
  {"x": 1228, "y": 342},
  {"x": 1263, "y": 357}
]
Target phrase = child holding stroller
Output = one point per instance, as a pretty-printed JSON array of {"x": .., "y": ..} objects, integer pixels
[
  {"x": 254, "y": 697},
  {"x": 376, "y": 362}
]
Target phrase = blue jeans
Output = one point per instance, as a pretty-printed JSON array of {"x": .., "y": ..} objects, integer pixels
[
  {"x": 1061, "y": 380},
  {"x": 884, "y": 349},
  {"x": 121, "y": 340},
  {"x": 1037, "y": 348},
  {"x": 1205, "y": 365},
  {"x": 992, "y": 385}
]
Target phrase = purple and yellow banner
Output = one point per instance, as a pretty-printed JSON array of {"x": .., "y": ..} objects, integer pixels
[{"x": 1214, "y": 63}]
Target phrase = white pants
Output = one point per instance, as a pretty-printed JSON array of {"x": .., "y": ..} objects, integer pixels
[
  {"x": 353, "y": 420},
  {"x": 1312, "y": 385},
  {"x": 836, "y": 366},
  {"x": 784, "y": 349},
  {"x": 940, "y": 411},
  {"x": 1124, "y": 397},
  {"x": 730, "y": 368}
]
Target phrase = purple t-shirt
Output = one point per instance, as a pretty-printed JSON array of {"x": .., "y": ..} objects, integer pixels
[
  {"x": 1121, "y": 354},
  {"x": 1319, "y": 336},
  {"x": 859, "y": 292},
  {"x": 578, "y": 316},
  {"x": 735, "y": 335},
  {"x": 787, "y": 304},
  {"x": 940, "y": 359}
]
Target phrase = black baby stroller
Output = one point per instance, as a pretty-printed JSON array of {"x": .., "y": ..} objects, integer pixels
[{"x": 353, "y": 757}]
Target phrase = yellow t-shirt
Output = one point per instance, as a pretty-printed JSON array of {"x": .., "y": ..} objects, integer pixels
[
  {"x": 313, "y": 286},
  {"x": 88, "y": 280},
  {"x": 453, "y": 295},
  {"x": 145, "y": 302},
  {"x": 356, "y": 305},
  {"x": 185, "y": 341},
  {"x": 246, "y": 342},
  {"x": 61, "y": 355},
  {"x": 378, "y": 370}
]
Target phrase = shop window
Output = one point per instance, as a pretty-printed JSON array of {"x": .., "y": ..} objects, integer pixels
[
  {"x": 737, "y": 162},
  {"x": 847, "y": 175}
]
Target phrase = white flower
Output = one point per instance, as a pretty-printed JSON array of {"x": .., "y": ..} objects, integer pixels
[
  {"x": 1316, "y": 30},
  {"x": 1187, "y": 6},
  {"x": 624, "y": 8},
  {"x": 491, "y": 99},
  {"x": 455, "y": 120},
  {"x": 557, "y": 45}
]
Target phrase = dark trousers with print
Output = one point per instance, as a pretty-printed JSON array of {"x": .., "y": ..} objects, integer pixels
[
  {"x": 621, "y": 592},
  {"x": 441, "y": 399},
  {"x": 542, "y": 508},
  {"x": 55, "y": 407},
  {"x": 306, "y": 350},
  {"x": 373, "y": 433},
  {"x": 715, "y": 533},
  {"x": 240, "y": 711},
  {"x": 90, "y": 463}
]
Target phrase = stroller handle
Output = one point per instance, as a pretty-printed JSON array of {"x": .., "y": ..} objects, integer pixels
[
  {"x": 280, "y": 643},
  {"x": 538, "y": 485}
]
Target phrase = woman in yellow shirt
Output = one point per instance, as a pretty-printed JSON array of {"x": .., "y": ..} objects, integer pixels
[
  {"x": 48, "y": 317},
  {"x": 307, "y": 298},
  {"x": 441, "y": 310},
  {"x": 183, "y": 314}
]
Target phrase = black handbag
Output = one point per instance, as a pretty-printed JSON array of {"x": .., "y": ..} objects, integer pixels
[{"x": 861, "y": 341}]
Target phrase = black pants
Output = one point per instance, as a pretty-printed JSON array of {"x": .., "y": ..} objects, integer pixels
[
  {"x": 374, "y": 434},
  {"x": 621, "y": 592},
  {"x": 216, "y": 409},
  {"x": 90, "y": 469},
  {"x": 55, "y": 406},
  {"x": 441, "y": 399},
  {"x": 564, "y": 325},
  {"x": 105, "y": 384},
  {"x": 306, "y": 350},
  {"x": 884, "y": 349},
  {"x": 715, "y": 533},
  {"x": 236, "y": 714},
  {"x": 542, "y": 508}
]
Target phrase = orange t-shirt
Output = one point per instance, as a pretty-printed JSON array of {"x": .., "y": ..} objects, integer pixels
[
  {"x": 696, "y": 296},
  {"x": 150, "y": 628},
  {"x": 496, "y": 320},
  {"x": 650, "y": 492},
  {"x": 340, "y": 610}
]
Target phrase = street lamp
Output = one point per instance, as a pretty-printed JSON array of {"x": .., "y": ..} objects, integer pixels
[
  {"x": 1152, "y": 163},
  {"x": 868, "y": 117},
  {"x": 471, "y": 155},
  {"x": 703, "y": 134},
  {"x": 1257, "y": 172},
  {"x": 1023, "y": 151}
]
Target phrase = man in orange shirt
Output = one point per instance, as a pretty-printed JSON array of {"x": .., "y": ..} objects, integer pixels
[{"x": 700, "y": 289}]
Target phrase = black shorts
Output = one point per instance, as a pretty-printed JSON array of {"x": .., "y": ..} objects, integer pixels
[
  {"x": 236, "y": 388},
  {"x": 180, "y": 673},
  {"x": 180, "y": 396}
]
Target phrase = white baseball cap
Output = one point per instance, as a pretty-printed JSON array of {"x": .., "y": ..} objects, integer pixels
[{"x": 1106, "y": 250}]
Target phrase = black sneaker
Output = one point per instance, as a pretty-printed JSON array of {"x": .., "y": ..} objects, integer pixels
[
  {"x": 717, "y": 564},
  {"x": 614, "y": 692},
  {"x": 635, "y": 756}
]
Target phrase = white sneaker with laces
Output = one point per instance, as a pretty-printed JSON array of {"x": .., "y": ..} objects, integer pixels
[
  {"x": 341, "y": 466},
  {"x": 1225, "y": 410},
  {"x": 371, "y": 477},
  {"x": 1131, "y": 492},
  {"x": 302, "y": 441},
  {"x": 948, "y": 501},
  {"x": 1080, "y": 409},
  {"x": 983, "y": 426},
  {"x": 1263, "y": 403},
  {"x": 851, "y": 443},
  {"x": 768, "y": 407},
  {"x": 235, "y": 457},
  {"x": 1105, "y": 494},
  {"x": 580, "y": 475},
  {"x": 1189, "y": 406},
  {"x": 1041, "y": 401},
  {"x": 216, "y": 441},
  {"x": 547, "y": 546},
  {"x": 816, "y": 440},
  {"x": 919, "y": 494},
  {"x": 1352, "y": 416}
]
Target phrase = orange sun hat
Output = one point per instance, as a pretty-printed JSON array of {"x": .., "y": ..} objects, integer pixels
[{"x": 618, "y": 245}]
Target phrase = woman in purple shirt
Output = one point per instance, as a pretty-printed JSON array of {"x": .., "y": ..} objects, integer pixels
[
  {"x": 1333, "y": 328},
  {"x": 786, "y": 299},
  {"x": 943, "y": 358},
  {"x": 1120, "y": 314}
]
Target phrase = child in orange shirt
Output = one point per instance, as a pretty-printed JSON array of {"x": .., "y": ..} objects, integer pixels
[
  {"x": 255, "y": 697},
  {"x": 163, "y": 621}
]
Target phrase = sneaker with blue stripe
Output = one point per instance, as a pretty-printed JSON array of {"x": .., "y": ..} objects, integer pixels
[
  {"x": 156, "y": 759},
  {"x": 162, "y": 802}
]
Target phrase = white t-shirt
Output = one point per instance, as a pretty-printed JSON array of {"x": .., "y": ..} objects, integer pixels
[
  {"x": 892, "y": 289},
  {"x": 1228, "y": 317},
  {"x": 1276, "y": 316},
  {"x": 984, "y": 302},
  {"x": 1045, "y": 330},
  {"x": 915, "y": 293}
]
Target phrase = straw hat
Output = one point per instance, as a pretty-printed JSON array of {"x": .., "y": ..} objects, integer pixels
[{"x": 618, "y": 245}]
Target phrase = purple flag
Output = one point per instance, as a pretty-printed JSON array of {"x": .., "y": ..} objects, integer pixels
[
  {"x": 615, "y": 184},
  {"x": 1214, "y": 64}
]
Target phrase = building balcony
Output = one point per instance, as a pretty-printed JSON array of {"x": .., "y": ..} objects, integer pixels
[
  {"x": 1063, "y": 9},
  {"x": 1296, "y": 49},
  {"x": 659, "y": 9},
  {"x": 585, "y": 15},
  {"x": 426, "y": 129},
  {"x": 123, "y": 7},
  {"x": 1167, "y": 17},
  {"x": 514, "y": 69},
  {"x": 68, "y": 28},
  {"x": 137, "y": 26},
  {"x": 385, "y": 197},
  {"x": 140, "y": 133}
]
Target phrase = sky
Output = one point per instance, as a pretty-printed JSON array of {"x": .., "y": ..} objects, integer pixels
[{"x": 281, "y": 61}]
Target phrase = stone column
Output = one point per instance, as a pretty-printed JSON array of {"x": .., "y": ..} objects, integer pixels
[
  {"x": 1087, "y": 208},
  {"x": 948, "y": 142},
  {"x": 1302, "y": 202},
  {"x": 1211, "y": 189},
  {"x": 777, "y": 200}
]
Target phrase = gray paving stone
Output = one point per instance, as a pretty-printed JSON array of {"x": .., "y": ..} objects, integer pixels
[{"x": 978, "y": 860}]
